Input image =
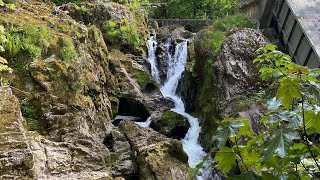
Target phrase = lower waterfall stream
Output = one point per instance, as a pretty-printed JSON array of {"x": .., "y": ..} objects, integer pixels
[{"x": 176, "y": 66}]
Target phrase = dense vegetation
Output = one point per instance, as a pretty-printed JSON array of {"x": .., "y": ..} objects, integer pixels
[
  {"x": 286, "y": 149},
  {"x": 4, "y": 69},
  {"x": 200, "y": 9}
]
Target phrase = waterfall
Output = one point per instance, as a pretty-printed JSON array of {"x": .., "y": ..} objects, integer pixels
[
  {"x": 176, "y": 66},
  {"x": 152, "y": 45}
]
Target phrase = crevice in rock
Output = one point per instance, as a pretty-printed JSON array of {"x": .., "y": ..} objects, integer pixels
[
  {"x": 108, "y": 142},
  {"x": 150, "y": 87},
  {"x": 133, "y": 108}
]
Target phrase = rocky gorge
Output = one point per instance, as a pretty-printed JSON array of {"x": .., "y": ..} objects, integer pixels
[{"x": 77, "y": 69}]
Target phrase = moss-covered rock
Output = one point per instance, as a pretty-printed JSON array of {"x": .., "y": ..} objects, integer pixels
[
  {"x": 221, "y": 73},
  {"x": 172, "y": 125},
  {"x": 16, "y": 160},
  {"x": 158, "y": 156},
  {"x": 122, "y": 27}
]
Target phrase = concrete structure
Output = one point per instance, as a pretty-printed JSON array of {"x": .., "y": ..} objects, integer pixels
[
  {"x": 260, "y": 10},
  {"x": 297, "y": 21}
]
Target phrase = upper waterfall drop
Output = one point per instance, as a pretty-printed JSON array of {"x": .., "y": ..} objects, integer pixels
[
  {"x": 176, "y": 66},
  {"x": 152, "y": 46}
]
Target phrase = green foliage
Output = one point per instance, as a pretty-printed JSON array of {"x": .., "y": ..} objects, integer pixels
[
  {"x": 132, "y": 4},
  {"x": 11, "y": 7},
  {"x": 284, "y": 150},
  {"x": 68, "y": 51},
  {"x": 28, "y": 40},
  {"x": 142, "y": 77},
  {"x": 226, "y": 158},
  {"x": 123, "y": 31},
  {"x": 4, "y": 69},
  {"x": 8, "y": 4},
  {"x": 82, "y": 9},
  {"x": 215, "y": 35},
  {"x": 31, "y": 115},
  {"x": 189, "y": 9}
]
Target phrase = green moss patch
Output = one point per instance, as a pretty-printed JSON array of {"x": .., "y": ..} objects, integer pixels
[
  {"x": 142, "y": 77},
  {"x": 68, "y": 51},
  {"x": 172, "y": 125}
]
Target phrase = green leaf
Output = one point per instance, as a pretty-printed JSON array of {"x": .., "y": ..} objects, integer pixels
[
  {"x": 250, "y": 155},
  {"x": 231, "y": 128},
  {"x": 289, "y": 89},
  {"x": 1, "y": 4},
  {"x": 269, "y": 47},
  {"x": 226, "y": 159},
  {"x": 2, "y": 49},
  {"x": 280, "y": 143},
  {"x": 312, "y": 122},
  {"x": 3, "y": 38},
  {"x": 268, "y": 176},
  {"x": 249, "y": 175},
  {"x": 295, "y": 122}
]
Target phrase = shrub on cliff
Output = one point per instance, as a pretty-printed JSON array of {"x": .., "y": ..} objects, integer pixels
[
  {"x": 285, "y": 150},
  {"x": 4, "y": 69}
]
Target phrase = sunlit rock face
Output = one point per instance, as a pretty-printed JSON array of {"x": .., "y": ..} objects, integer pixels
[{"x": 234, "y": 68}]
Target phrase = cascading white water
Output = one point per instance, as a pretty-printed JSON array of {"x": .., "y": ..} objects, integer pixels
[
  {"x": 144, "y": 124},
  {"x": 152, "y": 45},
  {"x": 176, "y": 66}
]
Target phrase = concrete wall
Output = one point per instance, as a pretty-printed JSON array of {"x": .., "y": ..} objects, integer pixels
[
  {"x": 301, "y": 45},
  {"x": 260, "y": 10},
  {"x": 294, "y": 35}
]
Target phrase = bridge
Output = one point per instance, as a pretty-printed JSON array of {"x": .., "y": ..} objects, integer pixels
[
  {"x": 296, "y": 21},
  {"x": 193, "y": 23}
]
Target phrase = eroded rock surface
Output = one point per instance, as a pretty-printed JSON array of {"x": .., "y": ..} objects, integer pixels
[
  {"x": 16, "y": 160},
  {"x": 234, "y": 68},
  {"x": 158, "y": 157},
  {"x": 72, "y": 101}
]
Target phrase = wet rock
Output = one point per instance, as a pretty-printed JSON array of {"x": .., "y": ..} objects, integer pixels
[
  {"x": 158, "y": 157},
  {"x": 162, "y": 58},
  {"x": 180, "y": 34},
  {"x": 172, "y": 125}
]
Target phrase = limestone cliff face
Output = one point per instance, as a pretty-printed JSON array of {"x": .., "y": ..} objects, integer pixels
[
  {"x": 56, "y": 117},
  {"x": 217, "y": 83},
  {"x": 16, "y": 159}
]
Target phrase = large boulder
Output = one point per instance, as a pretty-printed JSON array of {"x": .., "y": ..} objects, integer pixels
[
  {"x": 172, "y": 125},
  {"x": 234, "y": 68},
  {"x": 158, "y": 157}
]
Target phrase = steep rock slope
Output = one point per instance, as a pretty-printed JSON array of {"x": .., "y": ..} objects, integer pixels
[
  {"x": 69, "y": 87},
  {"x": 223, "y": 84}
]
